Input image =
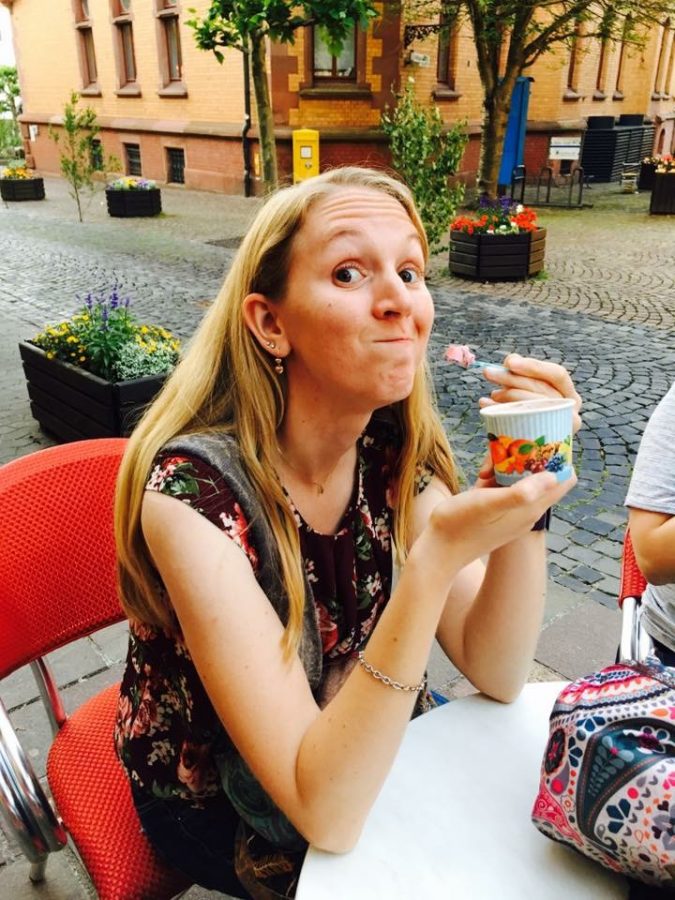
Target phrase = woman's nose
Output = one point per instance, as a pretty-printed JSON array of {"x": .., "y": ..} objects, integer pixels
[{"x": 392, "y": 296}]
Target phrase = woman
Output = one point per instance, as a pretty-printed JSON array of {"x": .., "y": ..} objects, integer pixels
[{"x": 273, "y": 668}]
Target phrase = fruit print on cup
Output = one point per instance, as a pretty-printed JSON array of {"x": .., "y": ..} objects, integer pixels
[
  {"x": 530, "y": 436},
  {"x": 518, "y": 456}
]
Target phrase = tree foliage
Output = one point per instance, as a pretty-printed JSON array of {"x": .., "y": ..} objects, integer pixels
[
  {"x": 10, "y": 102},
  {"x": 426, "y": 155},
  {"x": 245, "y": 25},
  {"x": 520, "y": 32},
  {"x": 80, "y": 157}
]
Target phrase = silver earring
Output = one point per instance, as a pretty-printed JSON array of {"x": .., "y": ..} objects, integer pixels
[
  {"x": 278, "y": 365},
  {"x": 270, "y": 344}
]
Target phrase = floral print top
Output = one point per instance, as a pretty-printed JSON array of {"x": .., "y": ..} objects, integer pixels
[{"x": 167, "y": 733}]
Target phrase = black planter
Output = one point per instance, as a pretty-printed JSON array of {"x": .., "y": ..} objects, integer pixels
[
  {"x": 22, "y": 188},
  {"x": 496, "y": 257},
  {"x": 663, "y": 194},
  {"x": 128, "y": 204},
  {"x": 73, "y": 404},
  {"x": 646, "y": 178}
]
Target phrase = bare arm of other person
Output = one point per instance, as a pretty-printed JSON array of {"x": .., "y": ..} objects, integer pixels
[
  {"x": 492, "y": 618},
  {"x": 323, "y": 768},
  {"x": 651, "y": 496}
]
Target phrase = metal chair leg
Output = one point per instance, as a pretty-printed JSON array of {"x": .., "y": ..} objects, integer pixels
[{"x": 37, "y": 871}]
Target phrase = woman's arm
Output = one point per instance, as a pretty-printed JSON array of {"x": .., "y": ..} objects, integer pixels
[
  {"x": 492, "y": 619},
  {"x": 323, "y": 768},
  {"x": 653, "y": 536},
  {"x": 651, "y": 496}
]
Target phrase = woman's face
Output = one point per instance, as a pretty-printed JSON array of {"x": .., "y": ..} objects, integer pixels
[{"x": 356, "y": 312}]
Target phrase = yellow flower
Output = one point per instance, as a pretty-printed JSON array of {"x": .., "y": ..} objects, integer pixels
[
  {"x": 71, "y": 339},
  {"x": 50, "y": 355},
  {"x": 144, "y": 329}
]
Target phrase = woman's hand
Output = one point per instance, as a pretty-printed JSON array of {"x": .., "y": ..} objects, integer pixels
[
  {"x": 529, "y": 379},
  {"x": 476, "y": 522}
]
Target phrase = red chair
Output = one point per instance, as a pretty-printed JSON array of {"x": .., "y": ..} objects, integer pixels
[
  {"x": 58, "y": 584},
  {"x": 635, "y": 642}
]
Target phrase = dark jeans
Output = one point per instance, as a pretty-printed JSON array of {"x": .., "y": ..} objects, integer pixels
[
  {"x": 665, "y": 654},
  {"x": 197, "y": 842}
]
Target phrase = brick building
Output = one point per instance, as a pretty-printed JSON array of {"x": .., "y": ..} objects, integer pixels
[{"x": 171, "y": 112}]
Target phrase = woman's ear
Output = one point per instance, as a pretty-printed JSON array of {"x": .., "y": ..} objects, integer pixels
[{"x": 260, "y": 316}]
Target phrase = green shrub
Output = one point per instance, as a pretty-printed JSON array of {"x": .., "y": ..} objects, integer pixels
[{"x": 425, "y": 154}]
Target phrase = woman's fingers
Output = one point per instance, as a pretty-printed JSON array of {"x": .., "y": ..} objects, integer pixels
[{"x": 526, "y": 379}]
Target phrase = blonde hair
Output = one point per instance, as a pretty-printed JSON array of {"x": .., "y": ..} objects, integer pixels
[{"x": 225, "y": 382}]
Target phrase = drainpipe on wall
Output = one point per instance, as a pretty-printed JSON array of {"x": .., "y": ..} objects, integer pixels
[{"x": 245, "y": 141}]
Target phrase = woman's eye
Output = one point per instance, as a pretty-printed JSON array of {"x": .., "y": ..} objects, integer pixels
[
  {"x": 409, "y": 276},
  {"x": 348, "y": 275}
]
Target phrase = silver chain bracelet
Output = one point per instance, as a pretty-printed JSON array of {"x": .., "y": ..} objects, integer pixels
[{"x": 385, "y": 679}]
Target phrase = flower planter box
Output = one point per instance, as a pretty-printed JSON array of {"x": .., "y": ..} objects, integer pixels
[
  {"x": 22, "y": 188},
  {"x": 487, "y": 257},
  {"x": 663, "y": 194},
  {"x": 646, "y": 178},
  {"x": 128, "y": 204},
  {"x": 73, "y": 404}
]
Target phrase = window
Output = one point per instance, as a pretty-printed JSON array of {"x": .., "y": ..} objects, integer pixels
[
  {"x": 659, "y": 87},
  {"x": 127, "y": 43},
  {"x": 169, "y": 49},
  {"x": 446, "y": 67},
  {"x": 668, "y": 84},
  {"x": 176, "y": 165},
  {"x": 573, "y": 67},
  {"x": 602, "y": 70},
  {"x": 618, "y": 90},
  {"x": 327, "y": 67},
  {"x": 86, "y": 51},
  {"x": 96, "y": 155},
  {"x": 124, "y": 48},
  {"x": 132, "y": 153},
  {"x": 89, "y": 73}
]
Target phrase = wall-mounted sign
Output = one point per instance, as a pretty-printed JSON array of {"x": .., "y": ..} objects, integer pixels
[{"x": 565, "y": 148}]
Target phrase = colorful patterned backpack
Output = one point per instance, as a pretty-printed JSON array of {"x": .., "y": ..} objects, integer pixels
[{"x": 607, "y": 785}]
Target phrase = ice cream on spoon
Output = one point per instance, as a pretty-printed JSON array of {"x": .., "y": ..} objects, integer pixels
[{"x": 462, "y": 355}]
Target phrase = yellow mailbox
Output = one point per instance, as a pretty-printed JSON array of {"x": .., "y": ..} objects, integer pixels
[{"x": 305, "y": 154}]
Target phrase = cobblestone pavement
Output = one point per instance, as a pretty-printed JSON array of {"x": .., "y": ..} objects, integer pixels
[{"x": 606, "y": 309}]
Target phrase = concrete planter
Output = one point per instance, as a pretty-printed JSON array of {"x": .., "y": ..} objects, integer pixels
[
  {"x": 22, "y": 188},
  {"x": 73, "y": 404},
  {"x": 129, "y": 204},
  {"x": 485, "y": 257}
]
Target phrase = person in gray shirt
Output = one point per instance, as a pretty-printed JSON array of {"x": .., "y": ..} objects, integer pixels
[{"x": 651, "y": 519}]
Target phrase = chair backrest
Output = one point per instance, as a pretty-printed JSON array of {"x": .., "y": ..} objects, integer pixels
[
  {"x": 57, "y": 548},
  {"x": 633, "y": 582}
]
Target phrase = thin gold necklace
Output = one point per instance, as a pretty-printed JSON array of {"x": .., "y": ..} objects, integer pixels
[{"x": 319, "y": 485}]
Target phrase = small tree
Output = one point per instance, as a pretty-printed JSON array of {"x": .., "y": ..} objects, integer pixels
[
  {"x": 246, "y": 25},
  {"x": 10, "y": 103},
  {"x": 426, "y": 155},
  {"x": 80, "y": 155}
]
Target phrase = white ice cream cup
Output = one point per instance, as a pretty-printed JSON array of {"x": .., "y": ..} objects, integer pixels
[{"x": 530, "y": 436}]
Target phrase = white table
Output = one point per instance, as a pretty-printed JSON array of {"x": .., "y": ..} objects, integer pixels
[{"x": 453, "y": 819}]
